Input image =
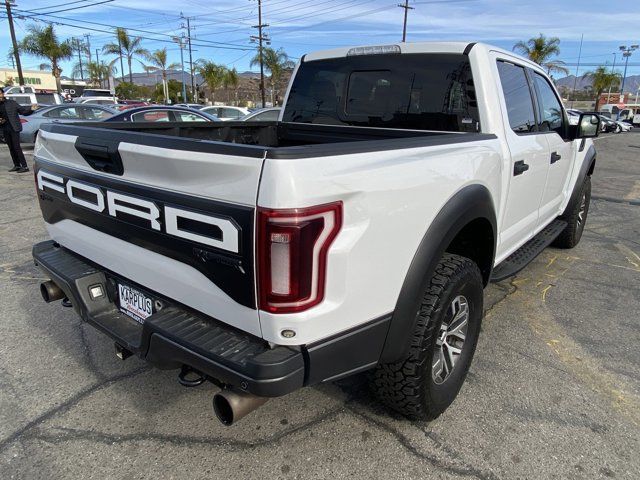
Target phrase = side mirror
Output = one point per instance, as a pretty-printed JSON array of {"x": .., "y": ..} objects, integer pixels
[{"x": 588, "y": 126}]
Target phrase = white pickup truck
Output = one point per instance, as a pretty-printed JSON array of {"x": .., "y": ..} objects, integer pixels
[{"x": 354, "y": 234}]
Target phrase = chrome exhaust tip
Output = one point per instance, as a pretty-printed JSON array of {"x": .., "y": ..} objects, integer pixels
[
  {"x": 51, "y": 292},
  {"x": 230, "y": 406}
]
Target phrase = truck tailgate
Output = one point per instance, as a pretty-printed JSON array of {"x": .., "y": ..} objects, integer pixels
[{"x": 175, "y": 216}]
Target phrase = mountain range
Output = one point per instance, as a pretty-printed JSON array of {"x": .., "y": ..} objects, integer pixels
[{"x": 631, "y": 84}]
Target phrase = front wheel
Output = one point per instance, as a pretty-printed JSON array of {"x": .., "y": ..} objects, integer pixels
[
  {"x": 576, "y": 218},
  {"x": 426, "y": 381}
]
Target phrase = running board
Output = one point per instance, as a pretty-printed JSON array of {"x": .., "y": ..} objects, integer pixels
[{"x": 528, "y": 252}]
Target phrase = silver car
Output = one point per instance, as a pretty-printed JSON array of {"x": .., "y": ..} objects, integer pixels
[{"x": 67, "y": 113}]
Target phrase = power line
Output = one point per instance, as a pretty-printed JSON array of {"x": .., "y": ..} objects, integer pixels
[
  {"x": 63, "y": 10},
  {"x": 222, "y": 45}
]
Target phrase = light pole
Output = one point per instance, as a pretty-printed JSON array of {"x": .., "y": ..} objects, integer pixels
[{"x": 626, "y": 53}]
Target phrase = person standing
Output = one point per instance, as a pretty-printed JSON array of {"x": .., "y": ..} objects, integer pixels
[{"x": 11, "y": 128}]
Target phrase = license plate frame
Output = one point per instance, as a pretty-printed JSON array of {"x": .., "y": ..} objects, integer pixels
[{"x": 134, "y": 303}]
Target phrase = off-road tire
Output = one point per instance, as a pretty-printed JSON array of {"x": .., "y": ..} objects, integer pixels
[
  {"x": 572, "y": 234},
  {"x": 408, "y": 386}
]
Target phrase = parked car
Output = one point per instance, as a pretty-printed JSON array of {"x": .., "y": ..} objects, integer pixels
[
  {"x": 606, "y": 124},
  {"x": 96, "y": 100},
  {"x": 623, "y": 126},
  {"x": 153, "y": 113},
  {"x": 28, "y": 98},
  {"x": 264, "y": 115},
  {"x": 356, "y": 235},
  {"x": 67, "y": 113},
  {"x": 226, "y": 113}
]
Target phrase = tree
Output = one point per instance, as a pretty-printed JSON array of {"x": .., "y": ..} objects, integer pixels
[
  {"x": 602, "y": 80},
  {"x": 126, "y": 47},
  {"x": 213, "y": 74},
  {"x": 159, "y": 63},
  {"x": 230, "y": 80},
  {"x": 541, "y": 50},
  {"x": 275, "y": 63},
  {"x": 43, "y": 42}
]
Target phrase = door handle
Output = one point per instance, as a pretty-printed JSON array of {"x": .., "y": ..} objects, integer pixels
[
  {"x": 519, "y": 168},
  {"x": 555, "y": 156}
]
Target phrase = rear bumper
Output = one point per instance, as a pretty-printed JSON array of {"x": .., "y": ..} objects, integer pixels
[{"x": 175, "y": 336}]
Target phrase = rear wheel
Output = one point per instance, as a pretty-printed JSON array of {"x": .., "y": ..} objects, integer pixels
[
  {"x": 426, "y": 381},
  {"x": 576, "y": 217}
]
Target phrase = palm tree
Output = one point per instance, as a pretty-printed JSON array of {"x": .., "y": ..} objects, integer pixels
[
  {"x": 541, "y": 49},
  {"x": 159, "y": 63},
  {"x": 43, "y": 42},
  {"x": 601, "y": 80},
  {"x": 230, "y": 80},
  {"x": 213, "y": 74},
  {"x": 275, "y": 63},
  {"x": 127, "y": 47}
]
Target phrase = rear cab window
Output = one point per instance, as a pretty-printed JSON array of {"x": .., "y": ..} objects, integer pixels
[{"x": 408, "y": 91}]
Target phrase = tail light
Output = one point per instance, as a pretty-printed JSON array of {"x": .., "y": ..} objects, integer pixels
[
  {"x": 292, "y": 255},
  {"x": 23, "y": 120}
]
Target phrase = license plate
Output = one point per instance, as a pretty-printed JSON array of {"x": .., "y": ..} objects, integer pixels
[{"x": 134, "y": 303}]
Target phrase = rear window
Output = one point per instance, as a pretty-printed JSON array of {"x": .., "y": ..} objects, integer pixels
[{"x": 410, "y": 91}]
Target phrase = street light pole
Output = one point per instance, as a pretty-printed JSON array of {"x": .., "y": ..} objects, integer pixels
[{"x": 626, "y": 53}]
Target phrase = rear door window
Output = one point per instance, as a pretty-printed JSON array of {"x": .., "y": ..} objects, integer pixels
[
  {"x": 550, "y": 108},
  {"x": 517, "y": 97},
  {"x": 151, "y": 116},
  {"x": 188, "y": 117},
  {"x": 409, "y": 91}
]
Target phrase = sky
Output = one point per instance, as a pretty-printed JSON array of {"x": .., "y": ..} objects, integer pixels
[{"x": 222, "y": 29}]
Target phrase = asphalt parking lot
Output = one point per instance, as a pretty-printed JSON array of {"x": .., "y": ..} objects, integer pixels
[{"x": 553, "y": 392}]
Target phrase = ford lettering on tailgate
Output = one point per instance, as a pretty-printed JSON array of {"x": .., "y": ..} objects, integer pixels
[{"x": 213, "y": 237}]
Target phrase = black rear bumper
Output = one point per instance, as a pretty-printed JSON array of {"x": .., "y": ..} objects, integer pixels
[{"x": 174, "y": 336}]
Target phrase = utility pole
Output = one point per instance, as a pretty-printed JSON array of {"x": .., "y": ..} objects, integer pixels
[
  {"x": 180, "y": 42},
  {"x": 406, "y": 14},
  {"x": 194, "y": 92},
  {"x": 78, "y": 46},
  {"x": 261, "y": 38},
  {"x": 14, "y": 42},
  {"x": 86, "y": 35}
]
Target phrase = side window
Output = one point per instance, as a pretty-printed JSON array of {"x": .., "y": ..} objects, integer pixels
[
  {"x": 95, "y": 113},
  {"x": 517, "y": 96},
  {"x": 230, "y": 113},
  {"x": 188, "y": 117},
  {"x": 53, "y": 113},
  {"x": 69, "y": 112},
  {"x": 151, "y": 116},
  {"x": 551, "y": 116}
]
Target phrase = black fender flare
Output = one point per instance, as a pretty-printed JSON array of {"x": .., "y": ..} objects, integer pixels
[
  {"x": 470, "y": 203},
  {"x": 586, "y": 169}
]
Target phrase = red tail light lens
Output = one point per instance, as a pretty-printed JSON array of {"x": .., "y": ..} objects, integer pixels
[{"x": 292, "y": 255}]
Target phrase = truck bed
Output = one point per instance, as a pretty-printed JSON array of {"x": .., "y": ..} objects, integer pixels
[{"x": 260, "y": 139}]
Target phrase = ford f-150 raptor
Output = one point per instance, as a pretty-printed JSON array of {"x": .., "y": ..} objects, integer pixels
[{"x": 354, "y": 234}]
